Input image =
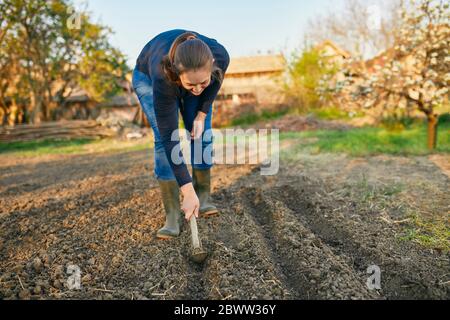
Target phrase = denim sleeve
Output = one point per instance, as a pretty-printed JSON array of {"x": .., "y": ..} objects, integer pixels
[{"x": 166, "y": 110}]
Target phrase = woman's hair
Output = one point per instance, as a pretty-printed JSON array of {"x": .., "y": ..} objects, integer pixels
[{"x": 188, "y": 53}]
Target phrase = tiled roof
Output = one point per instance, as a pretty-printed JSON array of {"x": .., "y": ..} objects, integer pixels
[{"x": 256, "y": 64}]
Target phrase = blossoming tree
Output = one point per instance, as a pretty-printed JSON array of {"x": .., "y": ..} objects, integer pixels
[{"x": 415, "y": 71}]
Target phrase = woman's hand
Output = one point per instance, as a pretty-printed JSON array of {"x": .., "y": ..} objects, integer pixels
[
  {"x": 191, "y": 204},
  {"x": 199, "y": 125}
]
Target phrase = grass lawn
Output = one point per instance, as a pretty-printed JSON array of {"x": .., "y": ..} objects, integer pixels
[
  {"x": 253, "y": 118},
  {"x": 75, "y": 146},
  {"x": 371, "y": 141}
]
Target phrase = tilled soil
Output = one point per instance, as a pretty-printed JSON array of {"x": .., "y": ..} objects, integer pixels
[{"x": 289, "y": 236}]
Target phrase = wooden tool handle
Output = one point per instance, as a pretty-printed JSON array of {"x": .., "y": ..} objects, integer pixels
[{"x": 194, "y": 233}]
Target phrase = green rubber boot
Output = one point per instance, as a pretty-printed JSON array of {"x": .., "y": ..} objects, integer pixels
[
  {"x": 202, "y": 185},
  {"x": 171, "y": 200}
]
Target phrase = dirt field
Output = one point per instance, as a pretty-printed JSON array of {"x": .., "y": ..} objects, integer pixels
[{"x": 309, "y": 232}]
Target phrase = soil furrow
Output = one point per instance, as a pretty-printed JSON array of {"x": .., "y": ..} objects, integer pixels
[
  {"x": 359, "y": 243},
  {"x": 311, "y": 266}
]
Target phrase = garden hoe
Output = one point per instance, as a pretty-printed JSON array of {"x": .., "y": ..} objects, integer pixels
[{"x": 198, "y": 254}]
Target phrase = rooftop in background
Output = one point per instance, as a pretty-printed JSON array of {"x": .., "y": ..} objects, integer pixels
[
  {"x": 330, "y": 49},
  {"x": 256, "y": 64}
]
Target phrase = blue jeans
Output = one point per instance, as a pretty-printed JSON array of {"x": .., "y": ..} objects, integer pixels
[{"x": 142, "y": 85}]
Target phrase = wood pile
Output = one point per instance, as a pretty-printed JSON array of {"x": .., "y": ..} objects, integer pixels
[{"x": 55, "y": 131}]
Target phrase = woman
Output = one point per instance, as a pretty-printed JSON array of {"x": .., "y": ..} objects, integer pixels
[{"x": 181, "y": 70}]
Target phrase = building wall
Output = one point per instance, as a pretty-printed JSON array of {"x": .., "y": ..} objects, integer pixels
[
  {"x": 243, "y": 94},
  {"x": 265, "y": 87},
  {"x": 125, "y": 113}
]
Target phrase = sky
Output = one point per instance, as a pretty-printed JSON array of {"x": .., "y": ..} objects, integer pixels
[{"x": 244, "y": 27}]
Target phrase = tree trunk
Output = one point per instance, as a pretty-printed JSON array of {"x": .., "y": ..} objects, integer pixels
[
  {"x": 13, "y": 110},
  {"x": 46, "y": 110},
  {"x": 3, "y": 116},
  {"x": 36, "y": 108},
  {"x": 432, "y": 131}
]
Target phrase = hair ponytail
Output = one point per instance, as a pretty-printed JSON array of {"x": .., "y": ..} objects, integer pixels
[{"x": 188, "y": 53}]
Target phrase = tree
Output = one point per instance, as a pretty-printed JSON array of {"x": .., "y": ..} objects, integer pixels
[
  {"x": 362, "y": 29},
  {"x": 43, "y": 57},
  {"x": 305, "y": 71},
  {"x": 416, "y": 70}
]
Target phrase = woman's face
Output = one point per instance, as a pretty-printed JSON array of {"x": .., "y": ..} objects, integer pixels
[{"x": 196, "y": 81}]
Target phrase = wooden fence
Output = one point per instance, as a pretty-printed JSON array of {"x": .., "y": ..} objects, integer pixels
[{"x": 55, "y": 130}]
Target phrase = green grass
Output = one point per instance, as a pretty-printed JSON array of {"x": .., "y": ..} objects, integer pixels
[
  {"x": 252, "y": 118},
  {"x": 328, "y": 113},
  {"x": 371, "y": 141},
  {"x": 433, "y": 234},
  {"x": 332, "y": 113},
  {"x": 74, "y": 146},
  {"x": 45, "y": 146}
]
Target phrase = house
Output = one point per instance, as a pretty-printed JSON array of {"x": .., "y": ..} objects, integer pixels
[
  {"x": 335, "y": 55},
  {"x": 251, "y": 84},
  {"x": 253, "y": 80},
  {"x": 79, "y": 105},
  {"x": 330, "y": 51}
]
